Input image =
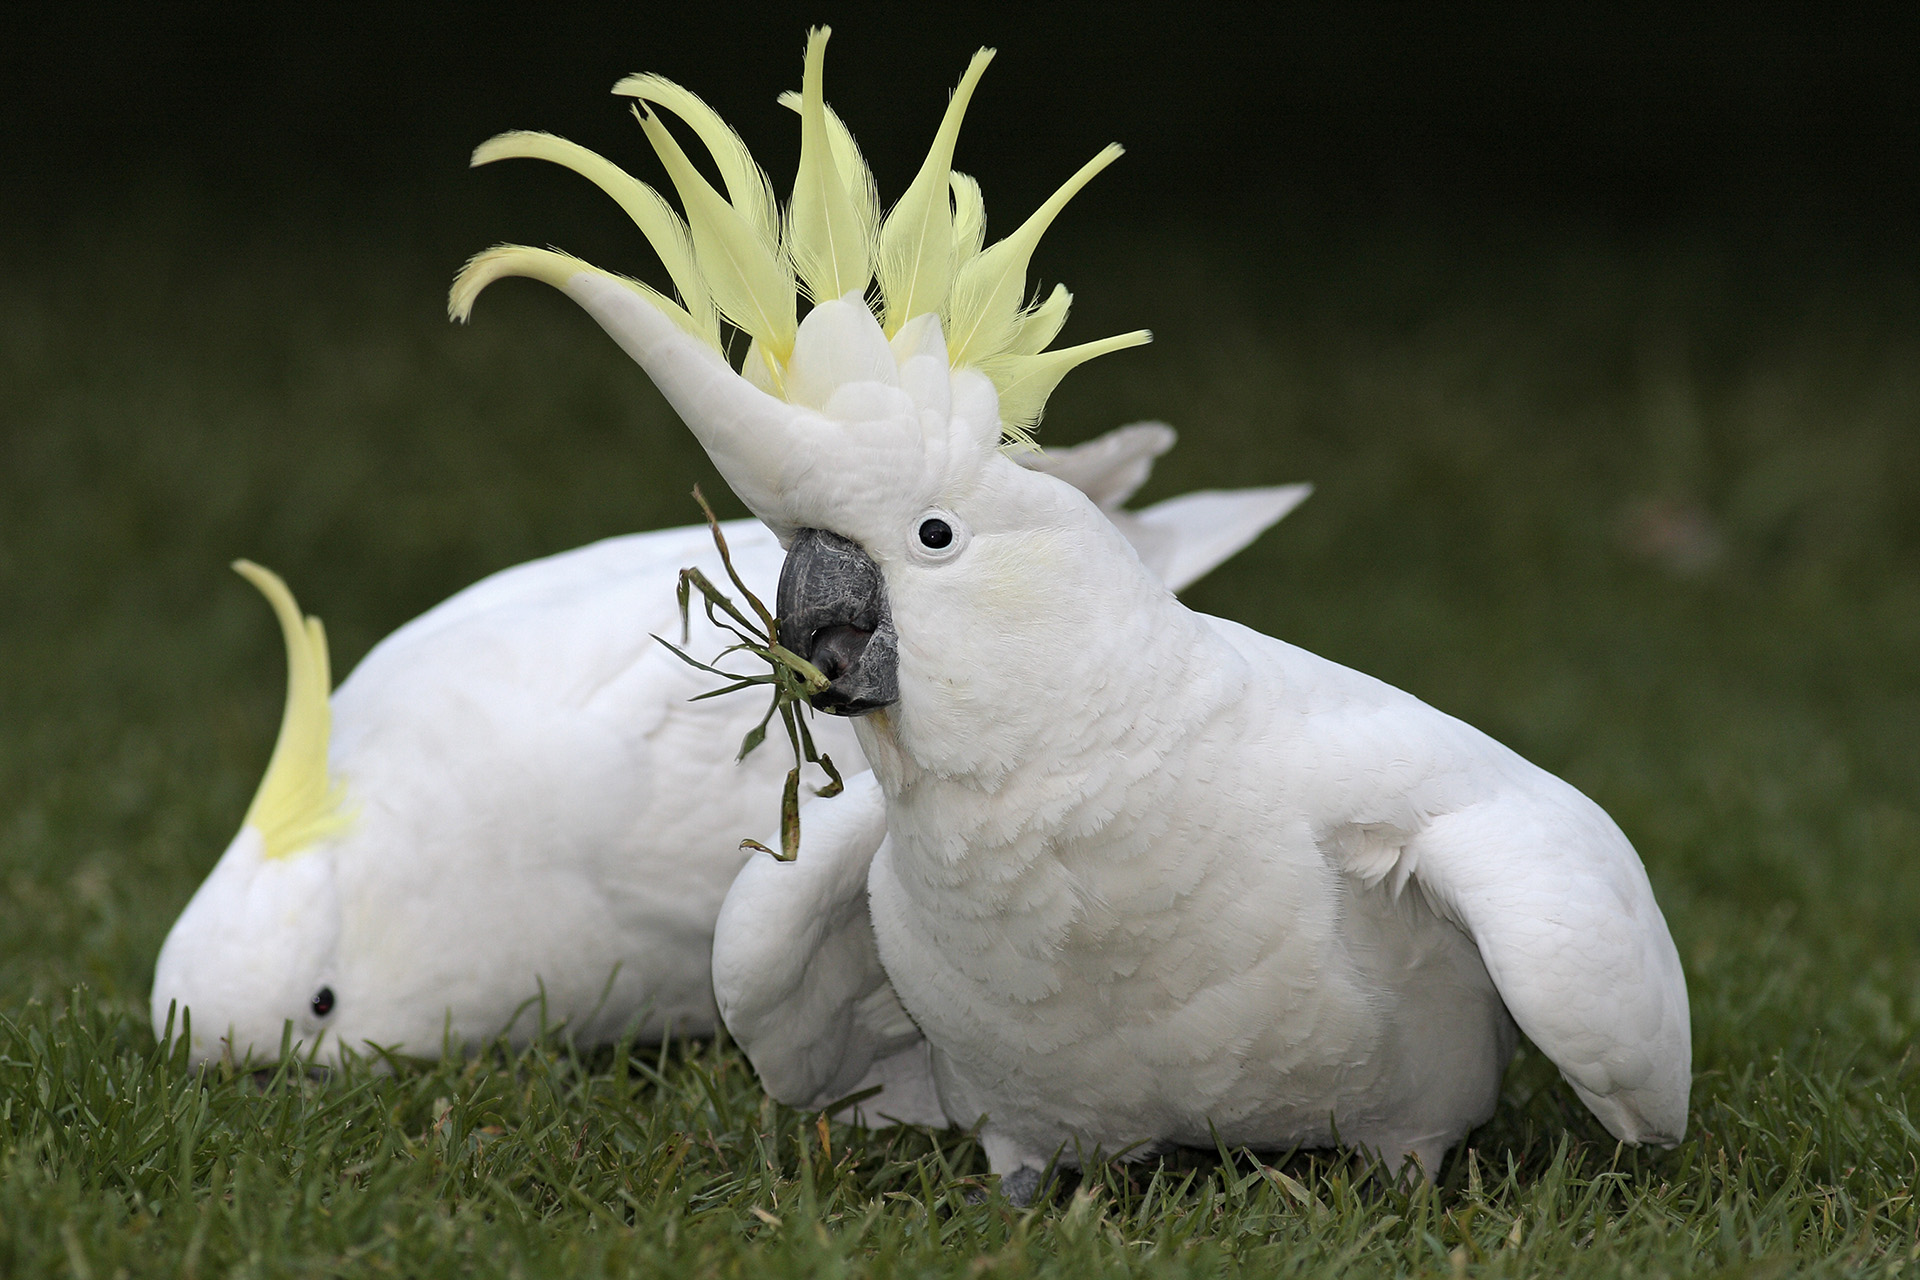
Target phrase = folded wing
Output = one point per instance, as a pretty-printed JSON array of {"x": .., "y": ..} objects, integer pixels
[
  {"x": 798, "y": 979},
  {"x": 1560, "y": 907}
]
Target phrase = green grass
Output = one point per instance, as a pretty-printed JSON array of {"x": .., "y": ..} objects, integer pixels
[{"x": 1496, "y": 428}]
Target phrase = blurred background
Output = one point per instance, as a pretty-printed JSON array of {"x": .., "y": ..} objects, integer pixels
[
  {"x": 1597, "y": 328},
  {"x": 1768, "y": 115}
]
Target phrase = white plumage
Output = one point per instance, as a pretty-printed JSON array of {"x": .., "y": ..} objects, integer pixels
[
  {"x": 1134, "y": 876},
  {"x": 534, "y": 809},
  {"x": 1146, "y": 876}
]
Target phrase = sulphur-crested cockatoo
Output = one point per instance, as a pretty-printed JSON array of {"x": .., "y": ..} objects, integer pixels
[
  {"x": 513, "y": 795},
  {"x": 1139, "y": 876}
]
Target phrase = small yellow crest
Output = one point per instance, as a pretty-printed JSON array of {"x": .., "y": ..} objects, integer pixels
[
  {"x": 737, "y": 257},
  {"x": 298, "y": 802}
]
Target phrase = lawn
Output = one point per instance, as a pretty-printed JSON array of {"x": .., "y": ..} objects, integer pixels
[{"x": 1644, "y": 508}]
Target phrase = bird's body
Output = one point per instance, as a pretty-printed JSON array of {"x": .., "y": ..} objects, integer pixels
[
  {"x": 538, "y": 814},
  {"x": 1218, "y": 888},
  {"x": 585, "y": 817},
  {"x": 1133, "y": 876},
  {"x": 540, "y": 824},
  {"x": 1235, "y": 901}
]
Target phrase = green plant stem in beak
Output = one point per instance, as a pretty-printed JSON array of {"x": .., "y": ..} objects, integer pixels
[{"x": 792, "y": 678}]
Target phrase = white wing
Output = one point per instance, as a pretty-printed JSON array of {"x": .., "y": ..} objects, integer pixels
[
  {"x": 653, "y": 558},
  {"x": 1185, "y": 538},
  {"x": 798, "y": 979},
  {"x": 1560, "y": 908},
  {"x": 1181, "y": 539},
  {"x": 1552, "y": 894},
  {"x": 1109, "y": 468}
]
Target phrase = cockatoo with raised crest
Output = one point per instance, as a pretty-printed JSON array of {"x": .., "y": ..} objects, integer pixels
[
  {"x": 512, "y": 798},
  {"x": 1125, "y": 876}
]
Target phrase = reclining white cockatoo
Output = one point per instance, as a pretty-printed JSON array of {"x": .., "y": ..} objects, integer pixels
[
  {"x": 512, "y": 795},
  {"x": 1140, "y": 877}
]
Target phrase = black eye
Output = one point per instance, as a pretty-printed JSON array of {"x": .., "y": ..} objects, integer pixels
[
  {"x": 935, "y": 533},
  {"x": 323, "y": 1002}
]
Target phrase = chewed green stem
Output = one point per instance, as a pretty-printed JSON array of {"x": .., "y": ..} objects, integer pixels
[{"x": 794, "y": 680}]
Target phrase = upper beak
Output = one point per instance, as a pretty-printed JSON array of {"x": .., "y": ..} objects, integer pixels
[{"x": 833, "y": 613}]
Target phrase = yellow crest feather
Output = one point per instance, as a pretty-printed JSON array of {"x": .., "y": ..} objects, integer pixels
[
  {"x": 550, "y": 266},
  {"x": 988, "y": 292},
  {"x": 854, "y": 172},
  {"x": 1041, "y": 324},
  {"x": 733, "y": 257},
  {"x": 1025, "y": 382},
  {"x": 831, "y": 246},
  {"x": 916, "y": 240},
  {"x": 752, "y": 283},
  {"x": 648, "y": 208},
  {"x": 747, "y": 185},
  {"x": 299, "y": 802},
  {"x": 969, "y": 218}
]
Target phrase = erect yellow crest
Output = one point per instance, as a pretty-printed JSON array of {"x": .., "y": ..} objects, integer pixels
[
  {"x": 735, "y": 257},
  {"x": 298, "y": 802}
]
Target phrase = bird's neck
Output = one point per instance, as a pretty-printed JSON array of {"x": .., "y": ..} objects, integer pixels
[{"x": 1083, "y": 698}]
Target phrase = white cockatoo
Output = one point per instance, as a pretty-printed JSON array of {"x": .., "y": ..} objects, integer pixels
[
  {"x": 1124, "y": 876},
  {"x": 512, "y": 798}
]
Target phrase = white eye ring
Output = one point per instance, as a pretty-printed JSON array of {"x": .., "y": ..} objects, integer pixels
[{"x": 938, "y": 536}]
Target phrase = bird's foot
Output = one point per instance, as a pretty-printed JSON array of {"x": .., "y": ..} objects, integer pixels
[
  {"x": 1023, "y": 1186},
  {"x": 1024, "y": 1172}
]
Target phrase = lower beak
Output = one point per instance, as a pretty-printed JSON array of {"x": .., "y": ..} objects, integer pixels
[{"x": 833, "y": 612}]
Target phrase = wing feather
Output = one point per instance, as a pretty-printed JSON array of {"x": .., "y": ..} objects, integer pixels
[
  {"x": 798, "y": 978},
  {"x": 1185, "y": 538},
  {"x": 1560, "y": 908}
]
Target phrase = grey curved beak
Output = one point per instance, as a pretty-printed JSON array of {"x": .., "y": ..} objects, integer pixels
[{"x": 833, "y": 612}]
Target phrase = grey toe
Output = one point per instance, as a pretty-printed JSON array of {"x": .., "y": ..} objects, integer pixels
[{"x": 1020, "y": 1186}]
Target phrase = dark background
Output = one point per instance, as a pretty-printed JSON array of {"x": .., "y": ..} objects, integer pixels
[{"x": 1771, "y": 117}]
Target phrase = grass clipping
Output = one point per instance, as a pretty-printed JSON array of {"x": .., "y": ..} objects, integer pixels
[{"x": 793, "y": 680}]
